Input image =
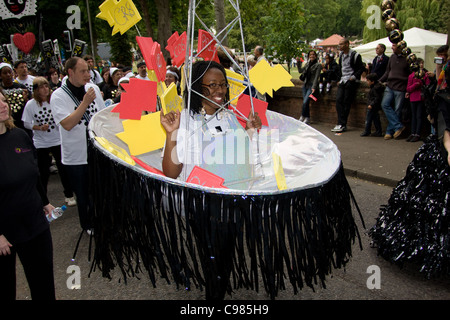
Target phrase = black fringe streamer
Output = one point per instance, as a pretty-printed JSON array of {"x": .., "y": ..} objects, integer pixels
[
  {"x": 221, "y": 241},
  {"x": 414, "y": 226}
]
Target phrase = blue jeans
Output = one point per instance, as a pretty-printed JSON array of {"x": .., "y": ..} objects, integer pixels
[
  {"x": 393, "y": 115},
  {"x": 305, "y": 108}
]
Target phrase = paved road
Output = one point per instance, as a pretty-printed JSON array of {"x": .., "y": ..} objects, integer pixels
[{"x": 344, "y": 284}]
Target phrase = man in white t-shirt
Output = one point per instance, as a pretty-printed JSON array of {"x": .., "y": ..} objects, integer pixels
[
  {"x": 21, "y": 69},
  {"x": 72, "y": 106}
]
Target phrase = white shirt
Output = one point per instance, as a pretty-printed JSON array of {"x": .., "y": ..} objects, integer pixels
[
  {"x": 96, "y": 78},
  {"x": 35, "y": 114},
  {"x": 74, "y": 142},
  {"x": 28, "y": 82},
  {"x": 221, "y": 146},
  {"x": 142, "y": 78}
]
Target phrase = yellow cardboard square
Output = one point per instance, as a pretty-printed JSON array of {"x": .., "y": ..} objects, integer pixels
[
  {"x": 267, "y": 79},
  {"x": 143, "y": 135},
  {"x": 237, "y": 87},
  {"x": 279, "y": 172},
  {"x": 170, "y": 100}
]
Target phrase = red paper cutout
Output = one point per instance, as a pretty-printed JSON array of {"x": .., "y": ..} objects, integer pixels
[
  {"x": 158, "y": 62},
  {"x": 146, "y": 45},
  {"x": 210, "y": 53},
  {"x": 25, "y": 42},
  {"x": 140, "y": 95},
  {"x": 205, "y": 178},
  {"x": 244, "y": 106},
  {"x": 178, "y": 50},
  {"x": 171, "y": 41},
  {"x": 147, "y": 167}
]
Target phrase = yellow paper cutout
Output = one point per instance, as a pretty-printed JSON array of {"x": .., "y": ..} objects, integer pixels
[
  {"x": 237, "y": 87},
  {"x": 115, "y": 150},
  {"x": 143, "y": 135},
  {"x": 105, "y": 11},
  {"x": 170, "y": 100},
  {"x": 161, "y": 87},
  {"x": 267, "y": 79},
  {"x": 121, "y": 15},
  {"x": 279, "y": 172}
]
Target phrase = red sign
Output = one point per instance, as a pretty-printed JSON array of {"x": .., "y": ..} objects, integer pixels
[{"x": 205, "y": 178}]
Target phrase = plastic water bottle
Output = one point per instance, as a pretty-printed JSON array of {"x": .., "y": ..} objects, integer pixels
[{"x": 56, "y": 213}]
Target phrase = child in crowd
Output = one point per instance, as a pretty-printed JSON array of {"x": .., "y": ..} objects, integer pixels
[{"x": 373, "y": 106}]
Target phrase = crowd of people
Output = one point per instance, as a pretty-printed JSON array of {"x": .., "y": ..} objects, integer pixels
[{"x": 394, "y": 88}]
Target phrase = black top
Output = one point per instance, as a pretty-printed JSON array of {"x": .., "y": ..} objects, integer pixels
[{"x": 21, "y": 194}]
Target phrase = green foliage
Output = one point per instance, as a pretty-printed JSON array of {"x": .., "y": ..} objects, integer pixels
[
  {"x": 121, "y": 49},
  {"x": 283, "y": 38},
  {"x": 425, "y": 14}
]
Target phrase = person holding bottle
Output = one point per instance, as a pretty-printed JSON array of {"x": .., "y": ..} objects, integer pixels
[{"x": 24, "y": 229}]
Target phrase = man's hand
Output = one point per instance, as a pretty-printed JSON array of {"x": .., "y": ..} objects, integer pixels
[{"x": 89, "y": 96}]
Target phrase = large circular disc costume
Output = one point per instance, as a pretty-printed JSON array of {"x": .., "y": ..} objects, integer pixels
[{"x": 145, "y": 221}]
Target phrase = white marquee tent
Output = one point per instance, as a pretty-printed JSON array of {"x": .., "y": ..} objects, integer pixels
[{"x": 422, "y": 42}]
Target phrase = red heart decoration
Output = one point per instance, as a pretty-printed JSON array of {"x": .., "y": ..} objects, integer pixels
[{"x": 25, "y": 42}]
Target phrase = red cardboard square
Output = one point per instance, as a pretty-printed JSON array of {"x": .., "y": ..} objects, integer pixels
[
  {"x": 140, "y": 95},
  {"x": 244, "y": 106},
  {"x": 210, "y": 53},
  {"x": 179, "y": 50},
  {"x": 146, "y": 45},
  {"x": 158, "y": 61},
  {"x": 205, "y": 178}
]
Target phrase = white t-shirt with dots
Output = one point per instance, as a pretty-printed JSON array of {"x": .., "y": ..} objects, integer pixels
[
  {"x": 74, "y": 142},
  {"x": 35, "y": 114}
]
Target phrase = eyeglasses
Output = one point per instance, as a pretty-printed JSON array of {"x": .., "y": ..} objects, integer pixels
[{"x": 215, "y": 86}]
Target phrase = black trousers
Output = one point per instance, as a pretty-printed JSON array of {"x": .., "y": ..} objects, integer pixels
[
  {"x": 44, "y": 162},
  {"x": 79, "y": 180},
  {"x": 345, "y": 96},
  {"x": 36, "y": 256}
]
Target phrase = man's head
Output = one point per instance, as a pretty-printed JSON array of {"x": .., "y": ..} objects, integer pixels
[
  {"x": 380, "y": 49},
  {"x": 142, "y": 69},
  {"x": 344, "y": 45},
  {"x": 21, "y": 68},
  {"x": 90, "y": 61},
  {"x": 78, "y": 71},
  {"x": 259, "y": 51},
  {"x": 396, "y": 49}
]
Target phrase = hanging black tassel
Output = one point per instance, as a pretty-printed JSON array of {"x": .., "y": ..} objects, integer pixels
[{"x": 218, "y": 241}]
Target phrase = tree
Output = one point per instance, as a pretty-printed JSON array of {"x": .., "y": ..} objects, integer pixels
[
  {"x": 219, "y": 10},
  {"x": 283, "y": 27}
]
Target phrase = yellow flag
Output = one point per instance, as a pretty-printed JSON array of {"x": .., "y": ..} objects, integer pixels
[{"x": 120, "y": 14}]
